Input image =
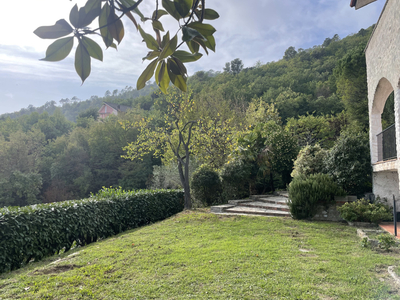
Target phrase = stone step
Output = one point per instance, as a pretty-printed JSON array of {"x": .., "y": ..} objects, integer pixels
[
  {"x": 256, "y": 211},
  {"x": 265, "y": 205},
  {"x": 220, "y": 208},
  {"x": 274, "y": 200}
]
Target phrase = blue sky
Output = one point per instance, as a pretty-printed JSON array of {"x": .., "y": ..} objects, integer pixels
[{"x": 252, "y": 30}]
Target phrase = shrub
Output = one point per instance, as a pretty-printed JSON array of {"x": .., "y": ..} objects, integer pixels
[
  {"x": 33, "y": 232},
  {"x": 363, "y": 211},
  {"x": 307, "y": 192},
  {"x": 310, "y": 160},
  {"x": 206, "y": 186},
  {"x": 386, "y": 241},
  {"x": 235, "y": 180},
  {"x": 348, "y": 162}
]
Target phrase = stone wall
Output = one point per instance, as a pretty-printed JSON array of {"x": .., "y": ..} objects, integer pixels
[
  {"x": 383, "y": 74},
  {"x": 331, "y": 213}
]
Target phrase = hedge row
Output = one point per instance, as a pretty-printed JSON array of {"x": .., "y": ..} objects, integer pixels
[{"x": 36, "y": 231}]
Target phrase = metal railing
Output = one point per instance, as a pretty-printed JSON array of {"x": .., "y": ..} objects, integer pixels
[{"x": 387, "y": 144}]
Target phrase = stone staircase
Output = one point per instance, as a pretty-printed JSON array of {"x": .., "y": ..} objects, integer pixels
[{"x": 264, "y": 205}]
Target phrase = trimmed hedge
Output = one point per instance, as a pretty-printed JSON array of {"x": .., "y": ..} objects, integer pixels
[{"x": 33, "y": 232}]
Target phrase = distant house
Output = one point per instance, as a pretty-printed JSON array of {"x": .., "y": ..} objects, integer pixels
[
  {"x": 383, "y": 77},
  {"x": 111, "y": 108}
]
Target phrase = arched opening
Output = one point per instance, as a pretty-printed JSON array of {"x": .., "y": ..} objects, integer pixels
[{"x": 382, "y": 128}]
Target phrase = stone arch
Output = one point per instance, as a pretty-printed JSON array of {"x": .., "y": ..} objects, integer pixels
[{"x": 383, "y": 90}]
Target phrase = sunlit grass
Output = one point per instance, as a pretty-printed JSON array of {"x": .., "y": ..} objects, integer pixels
[{"x": 197, "y": 255}]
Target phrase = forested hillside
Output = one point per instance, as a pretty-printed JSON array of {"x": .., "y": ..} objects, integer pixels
[{"x": 55, "y": 153}]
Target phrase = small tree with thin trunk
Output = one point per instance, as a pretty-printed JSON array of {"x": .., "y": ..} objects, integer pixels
[{"x": 170, "y": 139}]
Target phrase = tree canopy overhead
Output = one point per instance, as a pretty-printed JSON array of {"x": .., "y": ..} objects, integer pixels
[{"x": 167, "y": 61}]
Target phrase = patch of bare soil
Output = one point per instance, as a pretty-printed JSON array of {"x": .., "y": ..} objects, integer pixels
[{"x": 56, "y": 269}]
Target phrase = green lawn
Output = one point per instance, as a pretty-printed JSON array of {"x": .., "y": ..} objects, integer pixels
[{"x": 196, "y": 255}]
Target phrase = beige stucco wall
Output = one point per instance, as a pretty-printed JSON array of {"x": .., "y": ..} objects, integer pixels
[{"x": 383, "y": 72}]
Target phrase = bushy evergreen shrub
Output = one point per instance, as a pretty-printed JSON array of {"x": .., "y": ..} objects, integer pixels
[
  {"x": 235, "y": 180},
  {"x": 206, "y": 186},
  {"x": 349, "y": 163},
  {"x": 364, "y": 211},
  {"x": 33, "y": 232},
  {"x": 307, "y": 192},
  {"x": 310, "y": 160}
]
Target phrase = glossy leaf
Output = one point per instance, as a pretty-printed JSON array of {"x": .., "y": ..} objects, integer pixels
[
  {"x": 74, "y": 16},
  {"x": 152, "y": 54},
  {"x": 181, "y": 66},
  {"x": 204, "y": 29},
  {"x": 146, "y": 75},
  {"x": 201, "y": 43},
  {"x": 131, "y": 17},
  {"x": 157, "y": 25},
  {"x": 115, "y": 27},
  {"x": 193, "y": 47},
  {"x": 150, "y": 41},
  {"x": 170, "y": 8},
  {"x": 185, "y": 57},
  {"x": 162, "y": 77},
  {"x": 169, "y": 48},
  {"x": 158, "y": 14},
  {"x": 210, "y": 42},
  {"x": 92, "y": 48},
  {"x": 190, "y": 33},
  {"x": 59, "y": 49},
  {"x": 82, "y": 62},
  {"x": 178, "y": 80},
  {"x": 130, "y": 3},
  {"x": 183, "y": 7},
  {"x": 210, "y": 14},
  {"x": 165, "y": 40},
  {"x": 103, "y": 21},
  {"x": 89, "y": 12},
  {"x": 60, "y": 29}
]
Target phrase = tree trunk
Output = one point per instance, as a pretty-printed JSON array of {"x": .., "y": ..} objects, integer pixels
[{"x": 184, "y": 177}]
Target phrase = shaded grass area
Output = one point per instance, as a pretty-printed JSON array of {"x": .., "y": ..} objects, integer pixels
[{"x": 196, "y": 255}]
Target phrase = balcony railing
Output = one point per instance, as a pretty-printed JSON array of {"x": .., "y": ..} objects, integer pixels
[{"x": 387, "y": 144}]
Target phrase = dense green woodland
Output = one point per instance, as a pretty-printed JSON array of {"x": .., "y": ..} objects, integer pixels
[{"x": 60, "y": 152}]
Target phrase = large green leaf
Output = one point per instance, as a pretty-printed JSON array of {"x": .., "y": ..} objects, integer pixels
[
  {"x": 152, "y": 54},
  {"x": 169, "y": 48},
  {"x": 59, "y": 49},
  {"x": 178, "y": 80},
  {"x": 115, "y": 27},
  {"x": 210, "y": 42},
  {"x": 157, "y": 14},
  {"x": 162, "y": 77},
  {"x": 183, "y": 7},
  {"x": 74, "y": 16},
  {"x": 170, "y": 8},
  {"x": 92, "y": 48},
  {"x": 210, "y": 14},
  {"x": 181, "y": 66},
  {"x": 204, "y": 29},
  {"x": 193, "y": 47},
  {"x": 130, "y": 3},
  {"x": 82, "y": 62},
  {"x": 165, "y": 40},
  {"x": 201, "y": 43},
  {"x": 190, "y": 33},
  {"x": 132, "y": 18},
  {"x": 157, "y": 25},
  {"x": 150, "y": 41},
  {"x": 185, "y": 57},
  {"x": 89, "y": 12},
  {"x": 146, "y": 75},
  {"x": 103, "y": 21},
  {"x": 60, "y": 29}
]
